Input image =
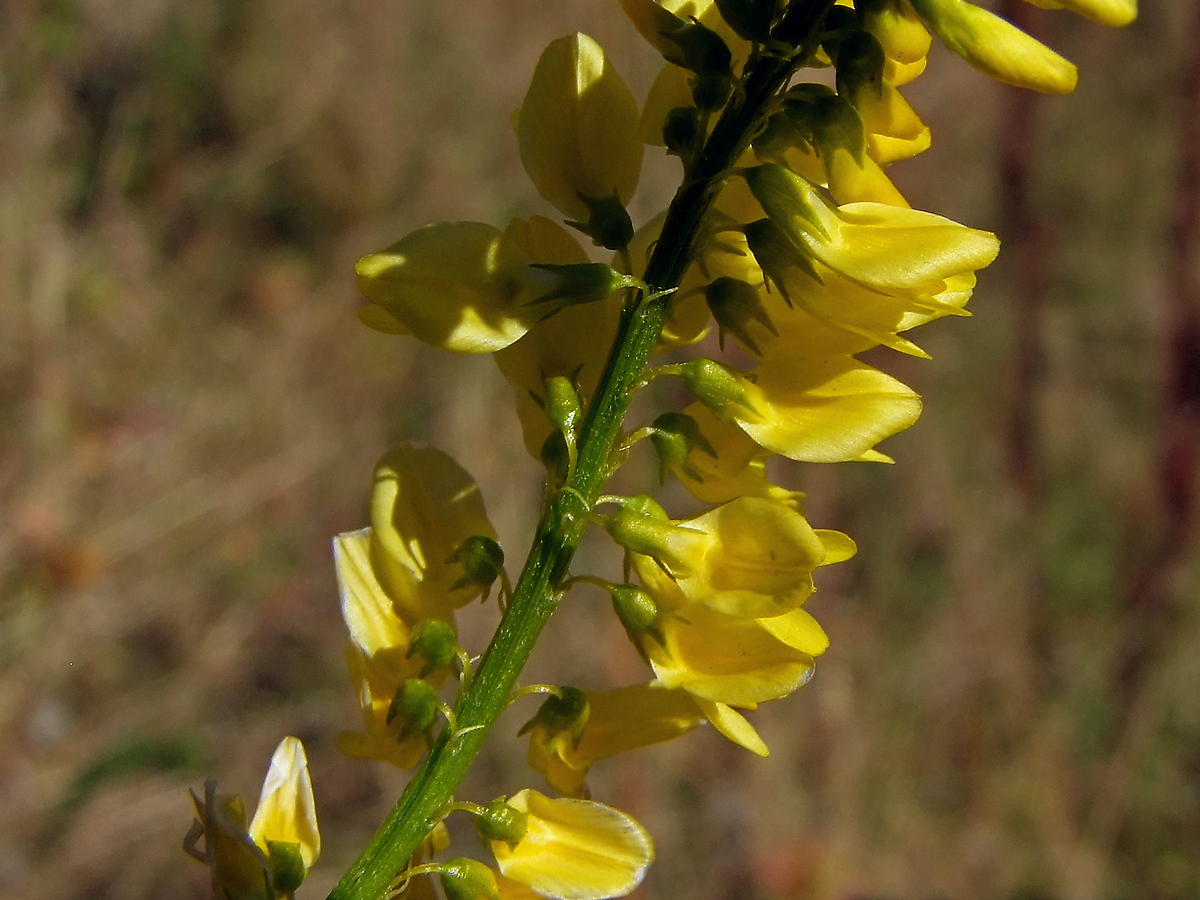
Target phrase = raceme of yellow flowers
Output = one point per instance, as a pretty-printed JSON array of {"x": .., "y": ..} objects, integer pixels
[{"x": 789, "y": 239}]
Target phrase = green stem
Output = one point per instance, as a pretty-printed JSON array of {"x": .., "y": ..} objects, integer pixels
[{"x": 537, "y": 592}]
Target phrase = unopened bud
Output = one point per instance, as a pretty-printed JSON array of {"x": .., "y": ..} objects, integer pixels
[
  {"x": 734, "y": 305},
  {"x": 638, "y": 613},
  {"x": 712, "y": 92},
  {"x": 561, "y": 404},
  {"x": 681, "y": 130},
  {"x": 481, "y": 559},
  {"x": 498, "y": 821},
  {"x": 468, "y": 879}
]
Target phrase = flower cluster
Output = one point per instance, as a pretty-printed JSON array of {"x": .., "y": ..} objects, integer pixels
[{"x": 791, "y": 246}]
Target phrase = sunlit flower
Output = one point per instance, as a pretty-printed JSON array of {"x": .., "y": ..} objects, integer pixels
[
  {"x": 456, "y": 285},
  {"x": 270, "y": 858},
  {"x": 997, "y": 47},
  {"x": 563, "y": 748},
  {"x": 578, "y": 129},
  {"x": 574, "y": 849}
]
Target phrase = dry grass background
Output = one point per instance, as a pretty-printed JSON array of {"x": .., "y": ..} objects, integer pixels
[{"x": 189, "y": 410}]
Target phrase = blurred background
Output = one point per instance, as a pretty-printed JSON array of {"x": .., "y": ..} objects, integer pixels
[{"x": 189, "y": 410}]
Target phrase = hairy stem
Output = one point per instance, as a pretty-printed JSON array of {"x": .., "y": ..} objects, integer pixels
[{"x": 537, "y": 591}]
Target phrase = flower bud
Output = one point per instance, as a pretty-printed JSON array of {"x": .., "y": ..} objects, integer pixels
[
  {"x": 482, "y": 560},
  {"x": 997, "y": 47},
  {"x": 717, "y": 386},
  {"x": 735, "y": 304},
  {"x": 562, "y": 405},
  {"x": 434, "y": 641},
  {"x": 499, "y": 821},
  {"x": 681, "y": 130},
  {"x": 698, "y": 49},
  {"x": 415, "y": 706},
  {"x": 468, "y": 879}
]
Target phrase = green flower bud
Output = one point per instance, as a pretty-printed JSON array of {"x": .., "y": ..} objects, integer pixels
[
  {"x": 776, "y": 254},
  {"x": 481, "y": 559},
  {"x": 674, "y": 437},
  {"x": 649, "y": 536},
  {"x": 581, "y": 283},
  {"x": 468, "y": 879},
  {"x": 715, "y": 385},
  {"x": 568, "y": 711},
  {"x": 434, "y": 641},
  {"x": 751, "y": 19},
  {"x": 499, "y": 821},
  {"x": 608, "y": 223},
  {"x": 286, "y": 865},
  {"x": 735, "y": 304},
  {"x": 415, "y": 704}
]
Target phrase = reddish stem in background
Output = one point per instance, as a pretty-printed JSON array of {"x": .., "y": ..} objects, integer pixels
[{"x": 1148, "y": 597}]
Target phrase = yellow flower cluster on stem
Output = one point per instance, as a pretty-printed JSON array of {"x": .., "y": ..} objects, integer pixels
[{"x": 788, "y": 236}]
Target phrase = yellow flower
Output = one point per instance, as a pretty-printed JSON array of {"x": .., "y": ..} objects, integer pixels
[
  {"x": 875, "y": 244},
  {"x": 736, "y": 466},
  {"x": 578, "y": 129},
  {"x": 997, "y": 47},
  {"x": 904, "y": 40},
  {"x": 654, "y": 17},
  {"x": 574, "y": 849},
  {"x": 269, "y": 859},
  {"x": 423, "y": 506},
  {"x": 614, "y": 721},
  {"x": 750, "y": 557},
  {"x": 377, "y": 657},
  {"x": 736, "y": 660},
  {"x": 455, "y": 285}
]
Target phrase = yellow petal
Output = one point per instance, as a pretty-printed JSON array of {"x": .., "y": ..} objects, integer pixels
[
  {"x": 997, "y": 47},
  {"x": 578, "y": 127},
  {"x": 734, "y": 726},
  {"x": 454, "y": 285},
  {"x": 286, "y": 811},
  {"x": 366, "y": 607},
  {"x": 575, "y": 849},
  {"x": 1113, "y": 13}
]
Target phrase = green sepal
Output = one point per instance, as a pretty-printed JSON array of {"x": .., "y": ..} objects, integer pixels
[
  {"x": 482, "y": 560},
  {"x": 463, "y": 878},
  {"x": 750, "y": 19},
  {"x": 578, "y": 283},
  {"x": 499, "y": 821},
  {"x": 434, "y": 641},
  {"x": 608, "y": 223},
  {"x": 681, "y": 131},
  {"x": 568, "y": 710},
  {"x": 674, "y": 436},
  {"x": 735, "y": 304},
  {"x": 789, "y": 201},
  {"x": 776, "y": 254},
  {"x": 716, "y": 385},
  {"x": 860, "y": 61},
  {"x": 699, "y": 49},
  {"x": 415, "y": 704},
  {"x": 639, "y": 615},
  {"x": 286, "y": 866}
]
